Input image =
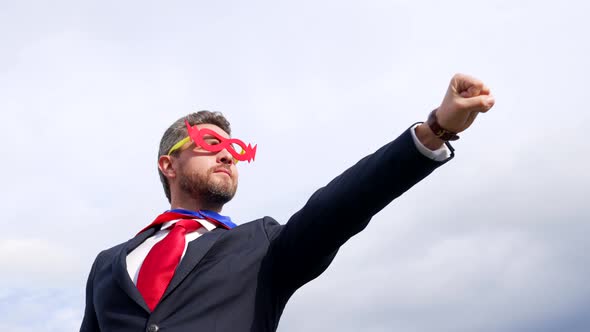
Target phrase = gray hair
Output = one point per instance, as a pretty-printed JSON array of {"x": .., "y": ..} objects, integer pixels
[{"x": 177, "y": 131}]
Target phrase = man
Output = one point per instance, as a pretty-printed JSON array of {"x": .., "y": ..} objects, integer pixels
[{"x": 239, "y": 278}]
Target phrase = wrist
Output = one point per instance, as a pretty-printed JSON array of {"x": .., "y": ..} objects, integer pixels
[{"x": 427, "y": 137}]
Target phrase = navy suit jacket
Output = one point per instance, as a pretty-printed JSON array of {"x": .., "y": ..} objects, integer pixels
[{"x": 239, "y": 280}]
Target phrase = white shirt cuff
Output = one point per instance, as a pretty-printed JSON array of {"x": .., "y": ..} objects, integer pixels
[{"x": 440, "y": 154}]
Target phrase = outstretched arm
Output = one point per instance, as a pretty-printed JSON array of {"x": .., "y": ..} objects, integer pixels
[{"x": 304, "y": 247}]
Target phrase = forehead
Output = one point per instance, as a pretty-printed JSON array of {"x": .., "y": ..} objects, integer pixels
[{"x": 214, "y": 128}]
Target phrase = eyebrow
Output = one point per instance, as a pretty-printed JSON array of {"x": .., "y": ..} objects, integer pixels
[{"x": 210, "y": 137}]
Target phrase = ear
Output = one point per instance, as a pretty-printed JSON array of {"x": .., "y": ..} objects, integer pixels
[{"x": 166, "y": 167}]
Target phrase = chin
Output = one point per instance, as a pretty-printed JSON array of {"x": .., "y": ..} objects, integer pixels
[{"x": 222, "y": 190}]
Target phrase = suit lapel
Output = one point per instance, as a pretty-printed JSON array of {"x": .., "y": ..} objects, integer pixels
[
  {"x": 195, "y": 252},
  {"x": 120, "y": 268}
]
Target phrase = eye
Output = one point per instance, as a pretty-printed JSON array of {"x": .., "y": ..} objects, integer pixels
[{"x": 212, "y": 141}]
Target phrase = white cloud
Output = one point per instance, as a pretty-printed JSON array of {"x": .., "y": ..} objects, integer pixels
[
  {"x": 30, "y": 260},
  {"x": 38, "y": 309}
]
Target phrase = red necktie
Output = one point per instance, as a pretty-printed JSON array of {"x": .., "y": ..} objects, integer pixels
[{"x": 161, "y": 262}]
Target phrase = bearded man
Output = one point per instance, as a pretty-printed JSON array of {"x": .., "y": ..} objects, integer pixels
[{"x": 193, "y": 269}]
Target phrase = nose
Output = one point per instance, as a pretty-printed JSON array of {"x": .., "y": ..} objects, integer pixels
[{"x": 224, "y": 157}]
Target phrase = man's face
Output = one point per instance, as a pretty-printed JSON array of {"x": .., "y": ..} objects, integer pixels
[{"x": 208, "y": 176}]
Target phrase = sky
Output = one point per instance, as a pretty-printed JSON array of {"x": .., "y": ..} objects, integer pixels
[{"x": 495, "y": 240}]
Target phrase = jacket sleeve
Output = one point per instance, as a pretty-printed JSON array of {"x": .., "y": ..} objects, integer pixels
[
  {"x": 90, "y": 321},
  {"x": 305, "y": 246}
]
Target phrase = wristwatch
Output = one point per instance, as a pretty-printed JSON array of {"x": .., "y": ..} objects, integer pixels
[{"x": 440, "y": 132}]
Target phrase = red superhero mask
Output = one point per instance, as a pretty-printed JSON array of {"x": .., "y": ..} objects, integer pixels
[{"x": 197, "y": 135}]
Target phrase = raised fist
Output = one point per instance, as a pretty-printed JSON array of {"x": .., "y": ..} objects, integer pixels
[{"x": 465, "y": 99}]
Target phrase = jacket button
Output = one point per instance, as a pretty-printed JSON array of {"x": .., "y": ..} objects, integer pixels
[{"x": 153, "y": 328}]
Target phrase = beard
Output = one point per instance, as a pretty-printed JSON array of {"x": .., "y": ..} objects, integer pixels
[{"x": 208, "y": 189}]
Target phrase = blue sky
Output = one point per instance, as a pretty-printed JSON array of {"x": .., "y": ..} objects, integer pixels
[{"x": 88, "y": 88}]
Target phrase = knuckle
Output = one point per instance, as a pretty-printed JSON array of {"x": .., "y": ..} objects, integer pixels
[{"x": 480, "y": 105}]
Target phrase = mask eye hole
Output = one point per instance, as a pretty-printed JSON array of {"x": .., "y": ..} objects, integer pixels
[
  {"x": 237, "y": 148},
  {"x": 209, "y": 142}
]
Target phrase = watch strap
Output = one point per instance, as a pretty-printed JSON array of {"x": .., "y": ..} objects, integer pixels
[{"x": 440, "y": 132}]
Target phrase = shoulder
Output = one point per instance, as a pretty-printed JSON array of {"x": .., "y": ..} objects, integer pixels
[
  {"x": 106, "y": 256},
  {"x": 268, "y": 226}
]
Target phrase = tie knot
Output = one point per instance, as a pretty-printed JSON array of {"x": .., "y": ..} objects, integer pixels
[{"x": 190, "y": 225}]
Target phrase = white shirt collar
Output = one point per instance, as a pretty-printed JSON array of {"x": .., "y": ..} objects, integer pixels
[{"x": 205, "y": 223}]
